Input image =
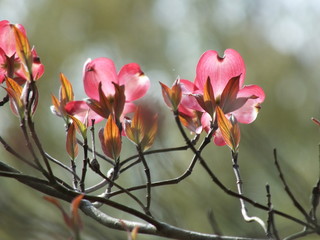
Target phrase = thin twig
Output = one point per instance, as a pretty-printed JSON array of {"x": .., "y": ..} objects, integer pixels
[
  {"x": 165, "y": 230},
  {"x": 17, "y": 155},
  {"x": 84, "y": 164},
  {"x": 182, "y": 148},
  {"x": 224, "y": 188},
  {"x": 30, "y": 99},
  {"x": 148, "y": 175},
  {"x": 303, "y": 233},
  {"x": 244, "y": 210},
  {"x": 176, "y": 180},
  {"x": 97, "y": 186},
  {"x": 272, "y": 231},
  {"x": 287, "y": 189},
  {"x": 56, "y": 161},
  {"x": 96, "y": 169},
  {"x": 29, "y": 145},
  {"x": 4, "y": 100},
  {"x": 109, "y": 160}
]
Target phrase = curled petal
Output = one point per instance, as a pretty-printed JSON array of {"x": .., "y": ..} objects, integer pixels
[
  {"x": 99, "y": 70},
  {"x": 249, "y": 111},
  {"x": 219, "y": 69},
  {"x": 136, "y": 83}
]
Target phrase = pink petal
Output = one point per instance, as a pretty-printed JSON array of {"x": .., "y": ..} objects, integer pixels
[
  {"x": 191, "y": 118},
  {"x": 188, "y": 100},
  {"x": 136, "y": 83},
  {"x": 187, "y": 86},
  {"x": 37, "y": 66},
  {"x": 218, "y": 139},
  {"x": 81, "y": 111},
  {"x": 7, "y": 39},
  {"x": 128, "y": 108},
  {"x": 3, "y": 60},
  {"x": 206, "y": 121},
  {"x": 219, "y": 69},
  {"x": 99, "y": 70},
  {"x": 249, "y": 111}
]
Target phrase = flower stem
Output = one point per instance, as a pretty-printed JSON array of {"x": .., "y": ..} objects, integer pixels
[{"x": 244, "y": 210}]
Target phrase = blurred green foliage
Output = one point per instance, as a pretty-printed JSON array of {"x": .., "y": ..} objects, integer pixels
[{"x": 279, "y": 41}]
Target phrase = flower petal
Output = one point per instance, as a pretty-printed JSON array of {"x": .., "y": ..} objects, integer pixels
[
  {"x": 188, "y": 100},
  {"x": 136, "y": 83},
  {"x": 249, "y": 111},
  {"x": 8, "y": 40},
  {"x": 99, "y": 70},
  {"x": 81, "y": 111},
  {"x": 219, "y": 69},
  {"x": 218, "y": 138}
]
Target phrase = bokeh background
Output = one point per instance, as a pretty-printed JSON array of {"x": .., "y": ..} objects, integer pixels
[{"x": 279, "y": 41}]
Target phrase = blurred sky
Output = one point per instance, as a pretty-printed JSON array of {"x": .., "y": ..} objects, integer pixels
[{"x": 279, "y": 41}]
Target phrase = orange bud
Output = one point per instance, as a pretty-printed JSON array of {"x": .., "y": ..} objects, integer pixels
[
  {"x": 14, "y": 91},
  {"x": 56, "y": 106},
  {"x": 140, "y": 131},
  {"x": 150, "y": 135},
  {"x": 71, "y": 143},
  {"x": 110, "y": 139},
  {"x": 134, "y": 128},
  {"x": 172, "y": 96},
  {"x": 23, "y": 50},
  {"x": 66, "y": 91},
  {"x": 230, "y": 130},
  {"x": 82, "y": 128}
]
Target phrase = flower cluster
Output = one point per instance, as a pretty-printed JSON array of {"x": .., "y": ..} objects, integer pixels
[
  {"x": 216, "y": 100},
  {"x": 11, "y": 61},
  {"x": 20, "y": 66},
  {"x": 218, "y": 88}
]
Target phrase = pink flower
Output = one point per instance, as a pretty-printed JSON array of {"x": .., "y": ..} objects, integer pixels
[
  {"x": 220, "y": 82},
  {"x": 109, "y": 92},
  {"x": 10, "y": 64}
]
